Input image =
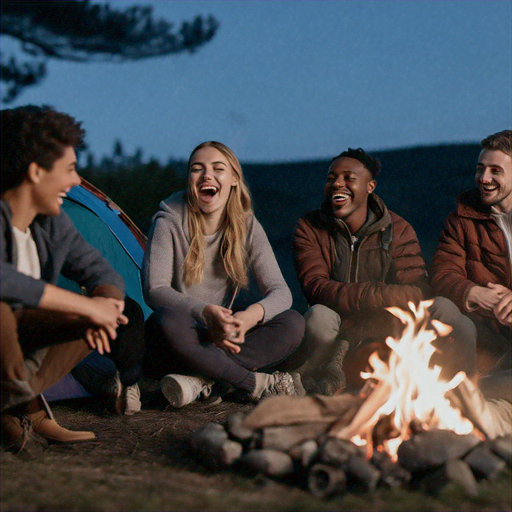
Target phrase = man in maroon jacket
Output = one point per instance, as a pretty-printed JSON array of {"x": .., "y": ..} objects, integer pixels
[
  {"x": 353, "y": 258},
  {"x": 472, "y": 265}
]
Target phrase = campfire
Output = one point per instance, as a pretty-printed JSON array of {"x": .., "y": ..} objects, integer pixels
[
  {"x": 408, "y": 391},
  {"x": 406, "y": 426}
]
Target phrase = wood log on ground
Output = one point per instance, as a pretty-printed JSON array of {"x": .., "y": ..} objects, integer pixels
[
  {"x": 284, "y": 437},
  {"x": 293, "y": 410}
]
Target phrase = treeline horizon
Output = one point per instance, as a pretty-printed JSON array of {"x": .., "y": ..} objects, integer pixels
[
  {"x": 138, "y": 184},
  {"x": 420, "y": 184}
]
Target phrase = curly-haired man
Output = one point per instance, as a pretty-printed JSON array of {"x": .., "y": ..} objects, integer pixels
[{"x": 46, "y": 330}]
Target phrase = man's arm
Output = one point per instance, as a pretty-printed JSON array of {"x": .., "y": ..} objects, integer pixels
[
  {"x": 449, "y": 274},
  {"x": 102, "y": 312}
]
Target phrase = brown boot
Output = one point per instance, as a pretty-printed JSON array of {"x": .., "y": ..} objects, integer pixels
[
  {"x": 19, "y": 437},
  {"x": 52, "y": 431}
]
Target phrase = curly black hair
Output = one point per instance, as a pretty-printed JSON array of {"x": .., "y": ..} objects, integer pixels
[
  {"x": 371, "y": 163},
  {"x": 34, "y": 134}
]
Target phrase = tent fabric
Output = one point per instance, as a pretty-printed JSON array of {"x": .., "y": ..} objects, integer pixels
[{"x": 105, "y": 226}]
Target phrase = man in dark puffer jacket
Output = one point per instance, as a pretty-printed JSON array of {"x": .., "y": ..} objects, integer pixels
[
  {"x": 353, "y": 258},
  {"x": 472, "y": 265}
]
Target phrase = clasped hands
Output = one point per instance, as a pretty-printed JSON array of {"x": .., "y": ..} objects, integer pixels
[
  {"x": 225, "y": 329},
  {"x": 107, "y": 314},
  {"x": 495, "y": 298}
]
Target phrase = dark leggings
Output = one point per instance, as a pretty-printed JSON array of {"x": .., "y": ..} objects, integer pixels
[{"x": 175, "y": 342}]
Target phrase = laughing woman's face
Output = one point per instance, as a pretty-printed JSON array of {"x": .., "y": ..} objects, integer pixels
[{"x": 210, "y": 179}]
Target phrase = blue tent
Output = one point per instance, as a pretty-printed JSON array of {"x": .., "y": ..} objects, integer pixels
[{"x": 105, "y": 226}]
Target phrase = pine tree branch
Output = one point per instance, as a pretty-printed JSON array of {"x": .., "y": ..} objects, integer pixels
[{"x": 81, "y": 32}]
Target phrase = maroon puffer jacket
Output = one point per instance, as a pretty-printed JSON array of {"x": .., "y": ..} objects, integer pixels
[
  {"x": 357, "y": 278},
  {"x": 472, "y": 250}
]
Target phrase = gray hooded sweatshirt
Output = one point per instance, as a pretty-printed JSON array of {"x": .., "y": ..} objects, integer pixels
[{"x": 166, "y": 250}]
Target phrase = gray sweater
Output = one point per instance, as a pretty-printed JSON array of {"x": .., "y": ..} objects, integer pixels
[
  {"x": 166, "y": 250},
  {"x": 62, "y": 250}
]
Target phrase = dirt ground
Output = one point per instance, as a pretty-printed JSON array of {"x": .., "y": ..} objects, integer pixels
[{"x": 141, "y": 463}]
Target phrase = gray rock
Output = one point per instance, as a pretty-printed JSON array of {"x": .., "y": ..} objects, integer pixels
[
  {"x": 211, "y": 444},
  {"x": 337, "y": 452},
  {"x": 365, "y": 473},
  {"x": 236, "y": 428},
  {"x": 484, "y": 462},
  {"x": 270, "y": 462},
  {"x": 456, "y": 472},
  {"x": 433, "y": 448},
  {"x": 502, "y": 446},
  {"x": 210, "y": 431},
  {"x": 304, "y": 453},
  {"x": 325, "y": 481}
]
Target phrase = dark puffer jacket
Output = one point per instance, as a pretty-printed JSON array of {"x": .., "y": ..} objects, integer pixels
[
  {"x": 472, "y": 250},
  {"x": 353, "y": 276}
]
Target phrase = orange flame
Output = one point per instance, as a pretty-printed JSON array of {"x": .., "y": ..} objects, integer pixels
[{"x": 415, "y": 390}]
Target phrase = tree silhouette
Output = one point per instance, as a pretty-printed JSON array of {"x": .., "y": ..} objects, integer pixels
[{"x": 76, "y": 30}]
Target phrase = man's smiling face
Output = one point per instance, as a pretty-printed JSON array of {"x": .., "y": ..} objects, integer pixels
[{"x": 494, "y": 179}]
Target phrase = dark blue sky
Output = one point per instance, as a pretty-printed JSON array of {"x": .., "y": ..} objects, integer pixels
[{"x": 285, "y": 80}]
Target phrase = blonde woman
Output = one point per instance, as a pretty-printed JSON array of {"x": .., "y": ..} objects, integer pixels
[{"x": 203, "y": 245}]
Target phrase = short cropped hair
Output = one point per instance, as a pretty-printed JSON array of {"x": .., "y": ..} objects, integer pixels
[
  {"x": 34, "y": 134},
  {"x": 371, "y": 163},
  {"x": 501, "y": 141}
]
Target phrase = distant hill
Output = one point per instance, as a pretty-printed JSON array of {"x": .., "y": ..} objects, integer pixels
[{"x": 420, "y": 184}]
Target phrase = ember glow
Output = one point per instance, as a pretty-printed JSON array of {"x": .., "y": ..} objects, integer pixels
[{"x": 406, "y": 389}]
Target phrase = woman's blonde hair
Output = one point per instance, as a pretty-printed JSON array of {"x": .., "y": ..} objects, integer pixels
[{"x": 233, "y": 226}]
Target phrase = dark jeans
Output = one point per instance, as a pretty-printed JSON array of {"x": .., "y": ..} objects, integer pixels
[
  {"x": 127, "y": 351},
  {"x": 493, "y": 346},
  {"x": 175, "y": 342}
]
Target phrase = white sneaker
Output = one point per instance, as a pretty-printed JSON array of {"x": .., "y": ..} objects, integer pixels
[
  {"x": 132, "y": 399},
  {"x": 126, "y": 399},
  {"x": 182, "y": 390}
]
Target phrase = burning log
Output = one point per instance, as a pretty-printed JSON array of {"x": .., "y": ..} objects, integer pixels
[{"x": 365, "y": 414}]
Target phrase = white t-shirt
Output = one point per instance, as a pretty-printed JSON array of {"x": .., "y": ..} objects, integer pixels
[
  {"x": 28, "y": 258},
  {"x": 504, "y": 221}
]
